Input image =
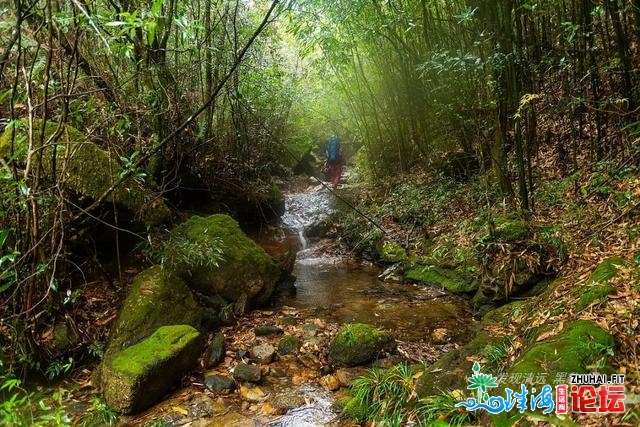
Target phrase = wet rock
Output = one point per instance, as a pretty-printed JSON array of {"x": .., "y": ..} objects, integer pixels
[
  {"x": 263, "y": 353},
  {"x": 288, "y": 344},
  {"x": 319, "y": 227},
  {"x": 288, "y": 401},
  {"x": 310, "y": 361},
  {"x": 439, "y": 336},
  {"x": 232, "y": 419},
  {"x": 202, "y": 407},
  {"x": 249, "y": 373},
  {"x": 346, "y": 375},
  {"x": 137, "y": 377},
  {"x": 155, "y": 299},
  {"x": 215, "y": 352},
  {"x": 330, "y": 382},
  {"x": 219, "y": 383},
  {"x": 268, "y": 409},
  {"x": 358, "y": 344},
  {"x": 245, "y": 267},
  {"x": 326, "y": 370},
  {"x": 252, "y": 394},
  {"x": 267, "y": 331}
]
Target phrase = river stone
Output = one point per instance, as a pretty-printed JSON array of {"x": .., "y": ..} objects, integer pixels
[
  {"x": 232, "y": 419},
  {"x": 245, "y": 269},
  {"x": 219, "y": 383},
  {"x": 358, "y": 344},
  {"x": 135, "y": 378},
  {"x": 267, "y": 331},
  {"x": 346, "y": 375},
  {"x": 215, "y": 352},
  {"x": 252, "y": 394},
  {"x": 288, "y": 344},
  {"x": 263, "y": 353},
  {"x": 288, "y": 401},
  {"x": 249, "y": 373},
  {"x": 90, "y": 172},
  {"x": 155, "y": 299}
]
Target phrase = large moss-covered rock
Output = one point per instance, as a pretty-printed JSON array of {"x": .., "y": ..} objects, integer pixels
[
  {"x": 137, "y": 377},
  {"x": 245, "y": 269},
  {"x": 574, "y": 350},
  {"x": 90, "y": 171},
  {"x": 155, "y": 299},
  {"x": 597, "y": 287},
  {"x": 450, "y": 280},
  {"x": 359, "y": 343}
]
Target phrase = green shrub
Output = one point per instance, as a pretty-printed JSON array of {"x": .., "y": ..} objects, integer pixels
[{"x": 388, "y": 397}]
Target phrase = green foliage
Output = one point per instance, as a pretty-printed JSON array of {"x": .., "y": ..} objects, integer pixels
[
  {"x": 58, "y": 368},
  {"x": 180, "y": 251},
  {"x": 20, "y": 407},
  {"x": 387, "y": 397}
]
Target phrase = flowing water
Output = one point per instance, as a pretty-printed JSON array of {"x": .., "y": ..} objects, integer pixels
[
  {"x": 331, "y": 290},
  {"x": 345, "y": 291}
]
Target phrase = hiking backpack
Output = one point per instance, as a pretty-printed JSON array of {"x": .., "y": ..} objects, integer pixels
[{"x": 333, "y": 150}]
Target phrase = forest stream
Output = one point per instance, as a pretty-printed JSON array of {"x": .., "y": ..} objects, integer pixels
[{"x": 331, "y": 290}]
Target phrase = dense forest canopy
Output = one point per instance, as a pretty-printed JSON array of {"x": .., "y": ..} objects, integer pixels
[{"x": 119, "y": 113}]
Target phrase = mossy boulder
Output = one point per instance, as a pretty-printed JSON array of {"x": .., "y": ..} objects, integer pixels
[
  {"x": 581, "y": 347},
  {"x": 90, "y": 171},
  {"x": 358, "y": 344},
  {"x": 137, "y": 377},
  {"x": 245, "y": 269},
  {"x": 451, "y": 280},
  {"x": 288, "y": 344},
  {"x": 597, "y": 287},
  {"x": 156, "y": 298}
]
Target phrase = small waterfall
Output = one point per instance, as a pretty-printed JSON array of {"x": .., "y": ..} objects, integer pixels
[{"x": 303, "y": 240}]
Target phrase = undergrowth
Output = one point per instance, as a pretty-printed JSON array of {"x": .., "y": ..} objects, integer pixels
[{"x": 388, "y": 397}]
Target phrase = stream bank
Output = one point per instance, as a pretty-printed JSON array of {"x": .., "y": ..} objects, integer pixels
[{"x": 300, "y": 388}]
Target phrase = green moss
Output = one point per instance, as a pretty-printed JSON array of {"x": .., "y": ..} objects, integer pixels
[
  {"x": 594, "y": 293},
  {"x": 288, "y": 344},
  {"x": 596, "y": 288},
  {"x": 156, "y": 298},
  {"x": 606, "y": 270},
  {"x": 450, "y": 280},
  {"x": 359, "y": 343},
  {"x": 510, "y": 229},
  {"x": 90, "y": 171},
  {"x": 245, "y": 268},
  {"x": 162, "y": 344},
  {"x": 579, "y": 345},
  {"x": 390, "y": 251},
  {"x": 139, "y": 376},
  {"x": 355, "y": 409}
]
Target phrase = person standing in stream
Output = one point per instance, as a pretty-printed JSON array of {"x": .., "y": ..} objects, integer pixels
[{"x": 334, "y": 160}]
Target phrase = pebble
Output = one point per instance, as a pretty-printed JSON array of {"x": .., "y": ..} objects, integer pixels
[{"x": 263, "y": 353}]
